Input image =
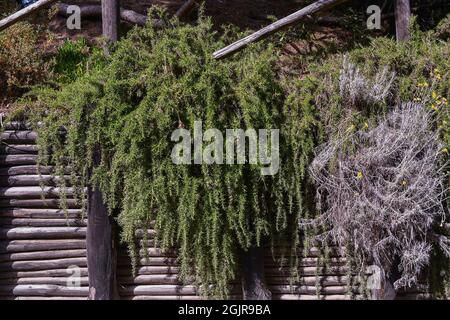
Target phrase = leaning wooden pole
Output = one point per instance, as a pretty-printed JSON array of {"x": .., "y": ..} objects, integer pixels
[
  {"x": 101, "y": 243},
  {"x": 402, "y": 17},
  {"x": 274, "y": 27},
  {"x": 25, "y": 12}
]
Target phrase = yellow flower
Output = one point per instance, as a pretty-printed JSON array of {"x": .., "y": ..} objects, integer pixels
[
  {"x": 434, "y": 95},
  {"x": 438, "y": 77},
  {"x": 404, "y": 183},
  {"x": 359, "y": 175},
  {"x": 445, "y": 150},
  {"x": 366, "y": 125},
  {"x": 433, "y": 106},
  {"x": 436, "y": 70}
]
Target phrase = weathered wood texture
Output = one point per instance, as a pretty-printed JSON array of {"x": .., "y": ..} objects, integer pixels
[
  {"x": 402, "y": 17},
  {"x": 42, "y": 248}
]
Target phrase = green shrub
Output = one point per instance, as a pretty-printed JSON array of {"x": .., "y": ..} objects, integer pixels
[
  {"x": 74, "y": 59},
  {"x": 155, "y": 82},
  {"x": 22, "y": 59}
]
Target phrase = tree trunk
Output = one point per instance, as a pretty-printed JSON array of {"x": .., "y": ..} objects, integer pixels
[
  {"x": 253, "y": 280},
  {"x": 402, "y": 16}
]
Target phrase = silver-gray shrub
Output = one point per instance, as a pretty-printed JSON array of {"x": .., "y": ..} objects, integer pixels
[
  {"x": 381, "y": 189},
  {"x": 356, "y": 89}
]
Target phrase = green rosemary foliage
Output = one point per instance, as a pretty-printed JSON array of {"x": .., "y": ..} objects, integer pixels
[{"x": 155, "y": 82}]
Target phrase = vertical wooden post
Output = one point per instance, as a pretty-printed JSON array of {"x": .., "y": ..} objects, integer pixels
[
  {"x": 101, "y": 245},
  {"x": 101, "y": 241},
  {"x": 402, "y": 16},
  {"x": 253, "y": 279},
  {"x": 111, "y": 19}
]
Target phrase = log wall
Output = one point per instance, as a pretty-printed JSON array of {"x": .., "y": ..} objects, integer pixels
[{"x": 42, "y": 250}]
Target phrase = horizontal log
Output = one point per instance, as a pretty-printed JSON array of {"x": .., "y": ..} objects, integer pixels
[
  {"x": 286, "y": 289},
  {"x": 51, "y": 298},
  {"x": 150, "y": 233},
  {"x": 323, "y": 281},
  {"x": 32, "y": 180},
  {"x": 43, "y": 290},
  {"x": 42, "y": 233},
  {"x": 151, "y": 261},
  {"x": 19, "y": 137},
  {"x": 307, "y": 262},
  {"x": 27, "y": 169},
  {"x": 166, "y": 297},
  {"x": 150, "y": 280},
  {"x": 332, "y": 270},
  {"x": 41, "y": 213},
  {"x": 17, "y": 126},
  {"x": 147, "y": 270},
  {"x": 312, "y": 297},
  {"x": 19, "y": 149},
  {"x": 415, "y": 296},
  {"x": 19, "y": 222},
  {"x": 62, "y": 281},
  {"x": 160, "y": 290},
  {"x": 38, "y": 203},
  {"x": 82, "y": 272},
  {"x": 34, "y": 192},
  {"x": 41, "y": 255},
  {"x": 95, "y": 11},
  {"x": 151, "y": 252},
  {"x": 18, "y": 159},
  {"x": 43, "y": 264}
]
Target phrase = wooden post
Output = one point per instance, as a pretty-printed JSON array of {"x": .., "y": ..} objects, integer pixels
[
  {"x": 101, "y": 245},
  {"x": 402, "y": 16},
  {"x": 111, "y": 19},
  {"x": 101, "y": 242},
  {"x": 253, "y": 279}
]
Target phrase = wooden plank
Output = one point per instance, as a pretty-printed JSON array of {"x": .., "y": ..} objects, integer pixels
[
  {"x": 22, "y": 14},
  {"x": 278, "y": 25}
]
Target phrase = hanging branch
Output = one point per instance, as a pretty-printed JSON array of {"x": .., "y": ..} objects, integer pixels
[{"x": 277, "y": 26}]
